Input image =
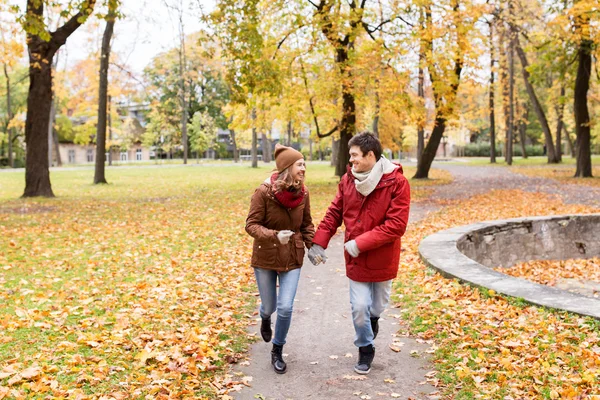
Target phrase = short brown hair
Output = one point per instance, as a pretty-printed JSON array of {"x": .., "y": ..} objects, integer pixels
[{"x": 366, "y": 141}]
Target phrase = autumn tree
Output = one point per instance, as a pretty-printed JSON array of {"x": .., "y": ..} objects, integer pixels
[
  {"x": 203, "y": 132},
  {"x": 206, "y": 89},
  {"x": 583, "y": 13},
  {"x": 111, "y": 17},
  {"x": 43, "y": 45},
  {"x": 447, "y": 43},
  {"x": 252, "y": 73},
  {"x": 10, "y": 51}
]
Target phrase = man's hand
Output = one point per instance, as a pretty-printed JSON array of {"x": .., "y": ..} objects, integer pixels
[
  {"x": 316, "y": 254},
  {"x": 352, "y": 248},
  {"x": 284, "y": 236}
]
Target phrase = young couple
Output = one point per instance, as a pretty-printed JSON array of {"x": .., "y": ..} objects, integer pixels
[{"x": 372, "y": 201}]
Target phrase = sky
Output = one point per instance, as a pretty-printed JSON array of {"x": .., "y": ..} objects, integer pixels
[{"x": 148, "y": 29}]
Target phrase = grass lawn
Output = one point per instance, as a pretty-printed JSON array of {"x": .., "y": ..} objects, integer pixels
[{"x": 139, "y": 287}]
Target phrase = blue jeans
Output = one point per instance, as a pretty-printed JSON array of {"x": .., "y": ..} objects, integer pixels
[
  {"x": 283, "y": 303},
  {"x": 368, "y": 299}
]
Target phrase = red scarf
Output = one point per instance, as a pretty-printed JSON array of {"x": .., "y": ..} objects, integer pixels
[{"x": 288, "y": 199}]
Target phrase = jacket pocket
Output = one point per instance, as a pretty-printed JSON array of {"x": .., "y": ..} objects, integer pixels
[
  {"x": 299, "y": 250},
  {"x": 377, "y": 258},
  {"x": 264, "y": 254}
]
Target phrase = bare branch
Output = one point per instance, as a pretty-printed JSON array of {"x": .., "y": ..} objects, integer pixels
[{"x": 285, "y": 38}]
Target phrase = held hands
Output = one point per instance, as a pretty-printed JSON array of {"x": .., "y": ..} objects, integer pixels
[
  {"x": 284, "y": 236},
  {"x": 352, "y": 248},
  {"x": 316, "y": 254}
]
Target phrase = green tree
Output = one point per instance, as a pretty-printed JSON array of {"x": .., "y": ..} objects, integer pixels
[{"x": 203, "y": 132}]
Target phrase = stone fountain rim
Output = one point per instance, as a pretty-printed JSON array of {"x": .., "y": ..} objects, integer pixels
[{"x": 440, "y": 252}]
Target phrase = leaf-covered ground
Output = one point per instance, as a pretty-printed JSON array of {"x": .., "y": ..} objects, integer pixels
[
  {"x": 562, "y": 173},
  {"x": 141, "y": 288},
  {"x": 489, "y": 346},
  {"x": 137, "y": 288}
]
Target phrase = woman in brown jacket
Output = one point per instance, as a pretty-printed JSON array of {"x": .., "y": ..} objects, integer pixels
[{"x": 279, "y": 221}]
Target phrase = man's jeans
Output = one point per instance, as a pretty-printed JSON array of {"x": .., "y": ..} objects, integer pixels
[
  {"x": 368, "y": 299},
  {"x": 270, "y": 301}
]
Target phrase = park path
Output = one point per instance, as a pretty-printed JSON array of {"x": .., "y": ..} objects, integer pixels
[{"x": 320, "y": 350}]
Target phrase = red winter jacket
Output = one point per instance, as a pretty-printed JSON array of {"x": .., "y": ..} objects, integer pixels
[{"x": 376, "y": 222}]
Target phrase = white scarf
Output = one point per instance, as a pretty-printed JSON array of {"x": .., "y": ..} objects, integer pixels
[{"x": 366, "y": 182}]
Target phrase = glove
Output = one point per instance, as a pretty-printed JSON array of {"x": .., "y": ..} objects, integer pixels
[
  {"x": 284, "y": 236},
  {"x": 352, "y": 248},
  {"x": 316, "y": 254}
]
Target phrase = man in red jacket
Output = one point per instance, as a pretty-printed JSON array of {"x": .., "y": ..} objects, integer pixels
[{"x": 373, "y": 202}]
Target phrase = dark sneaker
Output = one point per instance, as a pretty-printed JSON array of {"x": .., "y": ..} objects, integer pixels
[
  {"x": 265, "y": 329},
  {"x": 277, "y": 359},
  {"x": 375, "y": 326},
  {"x": 366, "y": 354}
]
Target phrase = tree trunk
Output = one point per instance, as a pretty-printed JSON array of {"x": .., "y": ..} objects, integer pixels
[
  {"x": 377, "y": 109},
  {"x": 508, "y": 156},
  {"x": 348, "y": 122},
  {"x": 582, "y": 116},
  {"x": 423, "y": 47},
  {"x": 289, "y": 133},
  {"x": 99, "y": 176},
  {"x": 560, "y": 111},
  {"x": 39, "y": 98},
  {"x": 254, "y": 149},
  {"x": 184, "y": 108},
  {"x": 569, "y": 141},
  {"x": 56, "y": 148},
  {"x": 537, "y": 107},
  {"x": 51, "y": 119},
  {"x": 335, "y": 147},
  {"x": 524, "y": 117},
  {"x": 424, "y": 163},
  {"x": 236, "y": 153},
  {"x": 492, "y": 112},
  {"x": 265, "y": 145},
  {"x": 10, "y": 116},
  {"x": 503, "y": 63},
  {"x": 421, "y": 122},
  {"x": 110, "y": 136}
]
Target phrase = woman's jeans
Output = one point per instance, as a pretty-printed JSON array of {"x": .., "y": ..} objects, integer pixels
[
  {"x": 368, "y": 300},
  {"x": 283, "y": 303}
]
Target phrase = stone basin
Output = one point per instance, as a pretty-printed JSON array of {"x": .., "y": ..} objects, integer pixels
[{"x": 470, "y": 252}]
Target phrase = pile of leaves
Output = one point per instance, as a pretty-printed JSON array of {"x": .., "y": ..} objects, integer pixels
[
  {"x": 549, "y": 272},
  {"x": 490, "y": 346}
]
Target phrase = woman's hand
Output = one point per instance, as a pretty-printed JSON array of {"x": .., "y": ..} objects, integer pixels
[{"x": 284, "y": 236}]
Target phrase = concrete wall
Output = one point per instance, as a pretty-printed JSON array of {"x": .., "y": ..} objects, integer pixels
[{"x": 555, "y": 238}]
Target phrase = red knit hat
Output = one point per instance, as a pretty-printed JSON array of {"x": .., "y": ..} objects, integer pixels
[{"x": 285, "y": 156}]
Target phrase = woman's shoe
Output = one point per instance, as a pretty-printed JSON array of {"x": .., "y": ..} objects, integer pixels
[
  {"x": 265, "y": 329},
  {"x": 277, "y": 359}
]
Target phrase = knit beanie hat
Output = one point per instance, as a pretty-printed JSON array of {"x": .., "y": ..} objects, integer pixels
[{"x": 285, "y": 156}]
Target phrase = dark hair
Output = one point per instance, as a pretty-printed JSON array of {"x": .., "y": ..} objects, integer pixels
[{"x": 367, "y": 142}]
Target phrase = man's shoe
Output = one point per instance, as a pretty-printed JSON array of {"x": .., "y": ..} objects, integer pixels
[
  {"x": 277, "y": 359},
  {"x": 366, "y": 354},
  {"x": 265, "y": 329},
  {"x": 375, "y": 326}
]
